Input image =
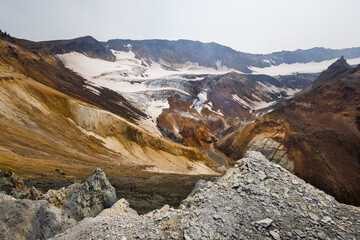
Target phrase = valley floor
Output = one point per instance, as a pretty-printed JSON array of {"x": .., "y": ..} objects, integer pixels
[{"x": 145, "y": 191}]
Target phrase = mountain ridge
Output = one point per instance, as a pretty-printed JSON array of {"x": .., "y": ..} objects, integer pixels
[{"x": 172, "y": 53}]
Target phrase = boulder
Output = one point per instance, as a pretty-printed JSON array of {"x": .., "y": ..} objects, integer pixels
[
  {"x": 89, "y": 198},
  {"x": 27, "y": 219},
  {"x": 120, "y": 208}
]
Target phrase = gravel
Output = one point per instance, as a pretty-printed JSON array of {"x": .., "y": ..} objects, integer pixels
[{"x": 257, "y": 199}]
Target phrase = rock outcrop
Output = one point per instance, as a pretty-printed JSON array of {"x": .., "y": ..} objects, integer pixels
[
  {"x": 89, "y": 198},
  {"x": 14, "y": 186},
  {"x": 60, "y": 209},
  {"x": 27, "y": 219},
  {"x": 257, "y": 199}
]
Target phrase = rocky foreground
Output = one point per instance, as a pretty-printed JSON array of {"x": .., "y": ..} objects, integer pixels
[
  {"x": 256, "y": 199},
  {"x": 26, "y": 213}
]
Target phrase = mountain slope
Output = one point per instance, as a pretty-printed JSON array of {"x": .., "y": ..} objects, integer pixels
[
  {"x": 49, "y": 71},
  {"x": 43, "y": 129},
  {"x": 175, "y": 99},
  {"x": 316, "y": 136}
]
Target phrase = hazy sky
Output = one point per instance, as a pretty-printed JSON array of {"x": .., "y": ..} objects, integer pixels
[{"x": 255, "y": 26}]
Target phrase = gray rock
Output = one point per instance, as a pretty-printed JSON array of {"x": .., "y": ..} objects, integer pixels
[
  {"x": 175, "y": 235},
  {"x": 295, "y": 182},
  {"x": 89, "y": 198},
  {"x": 201, "y": 184},
  {"x": 120, "y": 208},
  {"x": 314, "y": 217},
  {"x": 275, "y": 234},
  {"x": 300, "y": 233},
  {"x": 26, "y": 219},
  {"x": 264, "y": 222},
  {"x": 245, "y": 212},
  {"x": 261, "y": 175},
  {"x": 326, "y": 219}
]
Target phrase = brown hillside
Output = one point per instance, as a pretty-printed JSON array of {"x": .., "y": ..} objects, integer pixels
[{"x": 317, "y": 136}]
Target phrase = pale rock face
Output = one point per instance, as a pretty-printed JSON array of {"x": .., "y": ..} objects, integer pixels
[
  {"x": 272, "y": 150},
  {"x": 120, "y": 208}
]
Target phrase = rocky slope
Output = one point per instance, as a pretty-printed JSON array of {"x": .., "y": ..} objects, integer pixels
[
  {"x": 256, "y": 199},
  {"x": 316, "y": 137},
  {"x": 53, "y": 212}
]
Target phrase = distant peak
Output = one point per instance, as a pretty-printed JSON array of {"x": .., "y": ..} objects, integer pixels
[
  {"x": 86, "y": 39},
  {"x": 340, "y": 62},
  {"x": 336, "y": 70}
]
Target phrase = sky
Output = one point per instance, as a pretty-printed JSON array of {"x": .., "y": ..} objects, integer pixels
[{"x": 254, "y": 26}]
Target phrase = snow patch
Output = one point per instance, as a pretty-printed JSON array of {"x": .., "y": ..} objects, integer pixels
[
  {"x": 241, "y": 101},
  {"x": 154, "y": 108},
  {"x": 252, "y": 105},
  {"x": 92, "y": 89},
  {"x": 291, "y": 92},
  {"x": 122, "y": 55},
  {"x": 268, "y": 88},
  {"x": 311, "y": 67},
  {"x": 128, "y": 67}
]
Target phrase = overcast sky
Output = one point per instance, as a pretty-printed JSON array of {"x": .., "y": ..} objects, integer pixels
[{"x": 256, "y": 26}]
